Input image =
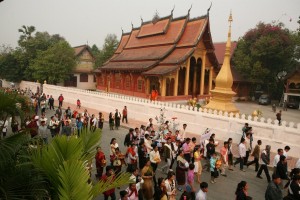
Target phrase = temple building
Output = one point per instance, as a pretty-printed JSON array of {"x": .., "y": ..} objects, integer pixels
[
  {"x": 82, "y": 76},
  {"x": 173, "y": 56}
]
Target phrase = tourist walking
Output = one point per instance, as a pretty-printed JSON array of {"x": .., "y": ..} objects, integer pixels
[
  {"x": 182, "y": 166},
  {"x": 281, "y": 170},
  {"x": 155, "y": 160},
  {"x": 100, "y": 162},
  {"x": 201, "y": 195},
  {"x": 255, "y": 154},
  {"x": 197, "y": 163},
  {"x": 117, "y": 119},
  {"x": 171, "y": 185},
  {"x": 278, "y": 117},
  {"x": 124, "y": 115},
  {"x": 51, "y": 102},
  {"x": 230, "y": 155},
  {"x": 242, "y": 155},
  {"x": 276, "y": 159},
  {"x": 273, "y": 191},
  {"x": 265, "y": 161},
  {"x": 60, "y": 100},
  {"x": 224, "y": 158},
  {"x": 294, "y": 188},
  {"x": 147, "y": 175}
]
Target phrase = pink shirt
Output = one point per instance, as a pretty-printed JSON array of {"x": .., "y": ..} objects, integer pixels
[
  {"x": 186, "y": 148},
  {"x": 190, "y": 176}
]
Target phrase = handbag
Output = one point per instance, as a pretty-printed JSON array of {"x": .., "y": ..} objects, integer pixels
[{"x": 117, "y": 162}]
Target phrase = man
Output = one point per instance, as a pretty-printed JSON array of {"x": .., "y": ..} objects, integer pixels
[
  {"x": 265, "y": 161},
  {"x": 69, "y": 112},
  {"x": 278, "y": 117},
  {"x": 168, "y": 155},
  {"x": 93, "y": 123},
  {"x": 210, "y": 150},
  {"x": 150, "y": 122},
  {"x": 155, "y": 160},
  {"x": 117, "y": 119},
  {"x": 244, "y": 129},
  {"x": 124, "y": 113},
  {"x": 109, "y": 173},
  {"x": 60, "y": 100},
  {"x": 67, "y": 129},
  {"x": 129, "y": 138},
  {"x": 192, "y": 146},
  {"x": 224, "y": 158},
  {"x": 59, "y": 113},
  {"x": 255, "y": 154},
  {"x": 248, "y": 148},
  {"x": 281, "y": 170},
  {"x": 51, "y": 102},
  {"x": 123, "y": 195},
  {"x": 3, "y": 125},
  {"x": 276, "y": 159},
  {"x": 148, "y": 143},
  {"x": 43, "y": 131},
  {"x": 186, "y": 150},
  {"x": 273, "y": 191},
  {"x": 242, "y": 155},
  {"x": 201, "y": 195},
  {"x": 183, "y": 132}
]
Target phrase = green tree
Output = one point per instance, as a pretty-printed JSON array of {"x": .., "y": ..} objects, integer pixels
[
  {"x": 110, "y": 45},
  {"x": 53, "y": 64},
  {"x": 263, "y": 52}
]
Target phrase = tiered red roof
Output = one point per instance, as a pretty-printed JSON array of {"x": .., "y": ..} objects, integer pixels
[{"x": 160, "y": 48}]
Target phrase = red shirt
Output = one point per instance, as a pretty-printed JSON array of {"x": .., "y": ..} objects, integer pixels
[{"x": 111, "y": 191}]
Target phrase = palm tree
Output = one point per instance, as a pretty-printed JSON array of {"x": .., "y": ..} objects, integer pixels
[{"x": 65, "y": 162}]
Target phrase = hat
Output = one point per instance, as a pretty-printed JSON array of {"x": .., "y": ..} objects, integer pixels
[{"x": 36, "y": 117}]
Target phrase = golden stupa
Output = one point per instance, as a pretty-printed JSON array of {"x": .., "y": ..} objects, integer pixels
[{"x": 222, "y": 94}]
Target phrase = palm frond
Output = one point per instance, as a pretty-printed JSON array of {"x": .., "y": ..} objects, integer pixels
[
  {"x": 90, "y": 140},
  {"x": 74, "y": 181}
]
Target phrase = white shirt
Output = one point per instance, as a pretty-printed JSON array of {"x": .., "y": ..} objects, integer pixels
[
  {"x": 285, "y": 154},
  {"x": 298, "y": 164},
  {"x": 201, "y": 195},
  {"x": 148, "y": 145},
  {"x": 242, "y": 150},
  {"x": 170, "y": 187},
  {"x": 154, "y": 155},
  {"x": 276, "y": 160}
]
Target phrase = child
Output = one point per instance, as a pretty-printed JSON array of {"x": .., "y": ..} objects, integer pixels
[
  {"x": 190, "y": 180},
  {"x": 213, "y": 169},
  {"x": 78, "y": 103}
]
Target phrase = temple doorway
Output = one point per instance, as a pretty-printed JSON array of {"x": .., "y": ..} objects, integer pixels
[{"x": 181, "y": 81}]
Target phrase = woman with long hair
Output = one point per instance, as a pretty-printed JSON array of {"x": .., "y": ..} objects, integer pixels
[
  {"x": 182, "y": 166},
  {"x": 160, "y": 190},
  {"x": 147, "y": 175},
  {"x": 111, "y": 121},
  {"x": 242, "y": 191},
  {"x": 170, "y": 185}
]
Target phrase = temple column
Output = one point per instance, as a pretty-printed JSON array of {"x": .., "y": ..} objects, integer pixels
[
  {"x": 195, "y": 79},
  {"x": 163, "y": 87},
  {"x": 187, "y": 77},
  {"x": 202, "y": 73},
  {"x": 147, "y": 85},
  {"x": 210, "y": 79},
  {"x": 176, "y": 83}
]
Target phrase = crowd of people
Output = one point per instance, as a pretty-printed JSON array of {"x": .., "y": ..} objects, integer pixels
[{"x": 150, "y": 148}]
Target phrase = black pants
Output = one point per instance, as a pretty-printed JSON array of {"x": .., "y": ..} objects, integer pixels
[
  {"x": 112, "y": 196},
  {"x": 256, "y": 163},
  {"x": 172, "y": 162},
  {"x": 265, "y": 168},
  {"x": 124, "y": 117},
  {"x": 51, "y": 106},
  {"x": 154, "y": 167},
  {"x": 246, "y": 158},
  {"x": 60, "y": 103},
  {"x": 241, "y": 161}
]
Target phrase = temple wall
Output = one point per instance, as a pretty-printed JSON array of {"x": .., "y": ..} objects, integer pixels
[{"x": 224, "y": 125}]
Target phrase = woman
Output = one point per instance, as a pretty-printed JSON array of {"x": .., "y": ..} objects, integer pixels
[
  {"x": 111, "y": 121},
  {"x": 197, "y": 163},
  {"x": 190, "y": 180},
  {"x": 100, "y": 162},
  {"x": 142, "y": 153},
  {"x": 118, "y": 160},
  {"x": 230, "y": 155},
  {"x": 131, "y": 157},
  {"x": 132, "y": 192},
  {"x": 113, "y": 146},
  {"x": 182, "y": 166},
  {"x": 147, "y": 175},
  {"x": 242, "y": 191},
  {"x": 101, "y": 120},
  {"x": 160, "y": 190},
  {"x": 170, "y": 185}
]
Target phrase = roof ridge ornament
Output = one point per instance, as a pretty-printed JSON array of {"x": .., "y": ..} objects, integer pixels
[
  {"x": 172, "y": 10},
  {"x": 122, "y": 30},
  {"x": 141, "y": 20},
  {"x": 131, "y": 25},
  {"x": 156, "y": 17},
  {"x": 190, "y": 9},
  {"x": 209, "y": 8}
]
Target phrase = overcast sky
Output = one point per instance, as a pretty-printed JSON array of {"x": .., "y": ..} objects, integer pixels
[{"x": 82, "y": 21}]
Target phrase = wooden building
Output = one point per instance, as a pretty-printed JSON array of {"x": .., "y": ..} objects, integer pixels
[
  {"x": 174, "y": 56},
  {"x": 292, "y": 88},
  {"x": 83, "y": 77}
]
